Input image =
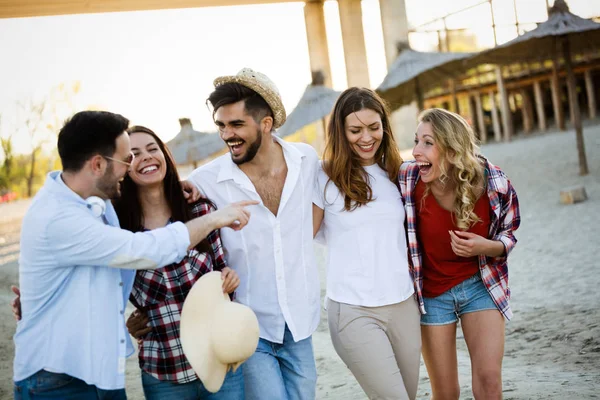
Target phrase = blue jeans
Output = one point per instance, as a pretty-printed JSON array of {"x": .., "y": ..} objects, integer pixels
[
  {"x": 232, "y": 389},
  {"x": 47, "y": 385},
  {"x": 469, "y": 296},
  {"x": 281, "y": 371}
]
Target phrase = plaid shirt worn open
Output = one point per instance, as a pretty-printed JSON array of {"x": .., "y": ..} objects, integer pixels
[
  {"x": 160, "y": 294},
  {"x": 505, "y": 219}
]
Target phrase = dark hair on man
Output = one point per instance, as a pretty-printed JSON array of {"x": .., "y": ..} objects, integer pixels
[
  {"x": 87, "y": 134},
  {"x": 230, "y": 93}
]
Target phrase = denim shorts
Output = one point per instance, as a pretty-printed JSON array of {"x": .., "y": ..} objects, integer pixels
[{"x": 468, "y": 296}]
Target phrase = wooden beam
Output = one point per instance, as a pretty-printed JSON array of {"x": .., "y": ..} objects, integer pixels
[
  {"x": 510, "y": 85},
  {"x": 419, "y": 95},
  {"x": 507, "y": 125},
  {"x": 36, "y": 8},
  {"x": 471, "y": 110},
  {"x": 495, "y": 119},
  {"x": 460, "y": 108},
  {"x": 353, "y": 43},
  {"x": 316, "y": 36},
  {"x": 479, "y": 114},
  {"x": 539, "y": 106},
  {"x": 591, "y": 96},
  {"x": 574, "y": 106},
  {"x": 453, "y": 98},
  {"x": 526, "y": 110},
  {"x": 559, "y": 117}
]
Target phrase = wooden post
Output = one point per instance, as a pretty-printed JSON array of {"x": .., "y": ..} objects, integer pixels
[
  {"x": 316, "y": 36},
  {"x": 394, "y": 25},
  {"x": 353, "y": 42},
  {"x": 319, "y": 144},
  {"x": 516, "y": 17},
  {"x": 459, "y": 108},
  {"x": 480, "y": 122},
  {"x": 447, "y": 35},
  {"x": 591, "y": 96},
  {"x": 507, "y": 125},
  {"x": 419, "y": 95},
  {"x": 453, "y": 98},
  {"x": 574, "y": 106},
  {"x": 512, "y": 102},
  {"x": 495, "y": 119},
  {"x": 472, "y": 116},
  {"x": 526, "y": 110},
  {"x": 559, "y": 117},
  {"x": 539, "y": 105},
  {"x": 493, "y": 23}
]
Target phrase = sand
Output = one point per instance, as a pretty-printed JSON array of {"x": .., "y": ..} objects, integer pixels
[{"x": 552, "y": 343}]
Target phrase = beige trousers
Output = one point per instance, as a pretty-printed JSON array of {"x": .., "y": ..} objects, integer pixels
[{"x": 380, "y": 345}]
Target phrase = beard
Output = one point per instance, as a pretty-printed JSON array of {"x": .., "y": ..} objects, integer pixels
[
  {"x": 109, "y": 184},
  {"x": 251, "y": 152}
]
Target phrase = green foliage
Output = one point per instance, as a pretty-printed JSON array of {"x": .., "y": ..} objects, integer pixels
[
  {"x": 40, "y": 121},
  {"x": 15, "y": 170}
]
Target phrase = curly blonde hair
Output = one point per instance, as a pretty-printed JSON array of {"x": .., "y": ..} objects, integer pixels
[{"x": 458, "y": 148}]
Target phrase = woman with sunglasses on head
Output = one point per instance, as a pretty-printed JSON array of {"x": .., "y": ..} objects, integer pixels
[
  {"x": 372, "y": 313},
  {"x": 462, "y": 212},
  {"x": 152, "y": 197}
]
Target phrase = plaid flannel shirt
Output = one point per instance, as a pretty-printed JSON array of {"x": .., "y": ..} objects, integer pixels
[
  {"x": 160, "y": 294},
  {"x": 505, "y": 220}
]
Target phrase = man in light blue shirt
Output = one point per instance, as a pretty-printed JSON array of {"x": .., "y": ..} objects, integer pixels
[{"x": 76, "y": 267}]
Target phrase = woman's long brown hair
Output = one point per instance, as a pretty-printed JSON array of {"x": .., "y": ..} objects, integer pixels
[
  {"x": 129, "y": 208},
  {"x": 341, "y": 164}
]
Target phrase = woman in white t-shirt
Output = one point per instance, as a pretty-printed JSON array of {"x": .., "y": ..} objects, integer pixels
[{"x": 374, "y": 320}]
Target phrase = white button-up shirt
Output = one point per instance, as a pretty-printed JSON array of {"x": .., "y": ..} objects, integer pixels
[
  {"x": 72, "y": 302},
  {"x": 367, "y": 257},
  {"x": 273, "y": 255}
]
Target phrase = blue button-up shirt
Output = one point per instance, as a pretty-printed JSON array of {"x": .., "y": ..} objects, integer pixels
[{"x": 73, "y": 292}]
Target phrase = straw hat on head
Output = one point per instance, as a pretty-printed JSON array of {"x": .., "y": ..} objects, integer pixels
[
  {"x": 216, "y": 334},
  {"x": 262, "y": 85}
]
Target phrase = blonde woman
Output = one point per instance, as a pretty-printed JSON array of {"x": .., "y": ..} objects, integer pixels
[
  {"x": 372, "y": 313},
  {"x": 462, "y": 212}
]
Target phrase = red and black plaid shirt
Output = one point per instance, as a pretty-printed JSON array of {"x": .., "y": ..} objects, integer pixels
[{"x": 160, "y": 294}]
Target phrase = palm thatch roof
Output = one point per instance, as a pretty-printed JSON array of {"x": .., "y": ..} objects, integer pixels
[
  {"x": 190, "y": 146},
  {"x": 416, "y": 71},
  {"x": 575, "y": 35},
  {"x": 541, "y": 42},
  {"x": 316, "y": 103}
]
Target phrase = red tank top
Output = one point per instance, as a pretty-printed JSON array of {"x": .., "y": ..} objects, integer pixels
[{"x": 442, "y": 269}]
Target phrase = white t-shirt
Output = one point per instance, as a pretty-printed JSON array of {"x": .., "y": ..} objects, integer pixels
[{"x": 367, "y": 256}]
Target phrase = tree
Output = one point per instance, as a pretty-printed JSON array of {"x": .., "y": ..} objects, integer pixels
[
  {"x": 33, "y": 124},
  {"x": 7, "y": 160},
  {"x": 41, "y": 121},
  {"x": 7, "y": 163}
]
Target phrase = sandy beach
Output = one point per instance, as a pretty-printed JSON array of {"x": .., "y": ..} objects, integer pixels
[{"x": 553, "y": 342}]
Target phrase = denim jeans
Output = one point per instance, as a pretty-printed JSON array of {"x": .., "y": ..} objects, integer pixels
[
  {"x": 47, "y": 385},
  {"x": 469, "y": 296},
  {"x": 232, "y": 389},
  {"x": 281, "y": 371}
]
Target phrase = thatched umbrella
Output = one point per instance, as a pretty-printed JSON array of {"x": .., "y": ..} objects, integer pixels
[
  {"x": 414, "y": 72},
  {"x": 191, "y": 146},
  {"x": 315, "y": 104},
  {"x": 574, "y": 34}
]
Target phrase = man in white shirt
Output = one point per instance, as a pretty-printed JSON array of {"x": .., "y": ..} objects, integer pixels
[{"x": 273, "y": 255}]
